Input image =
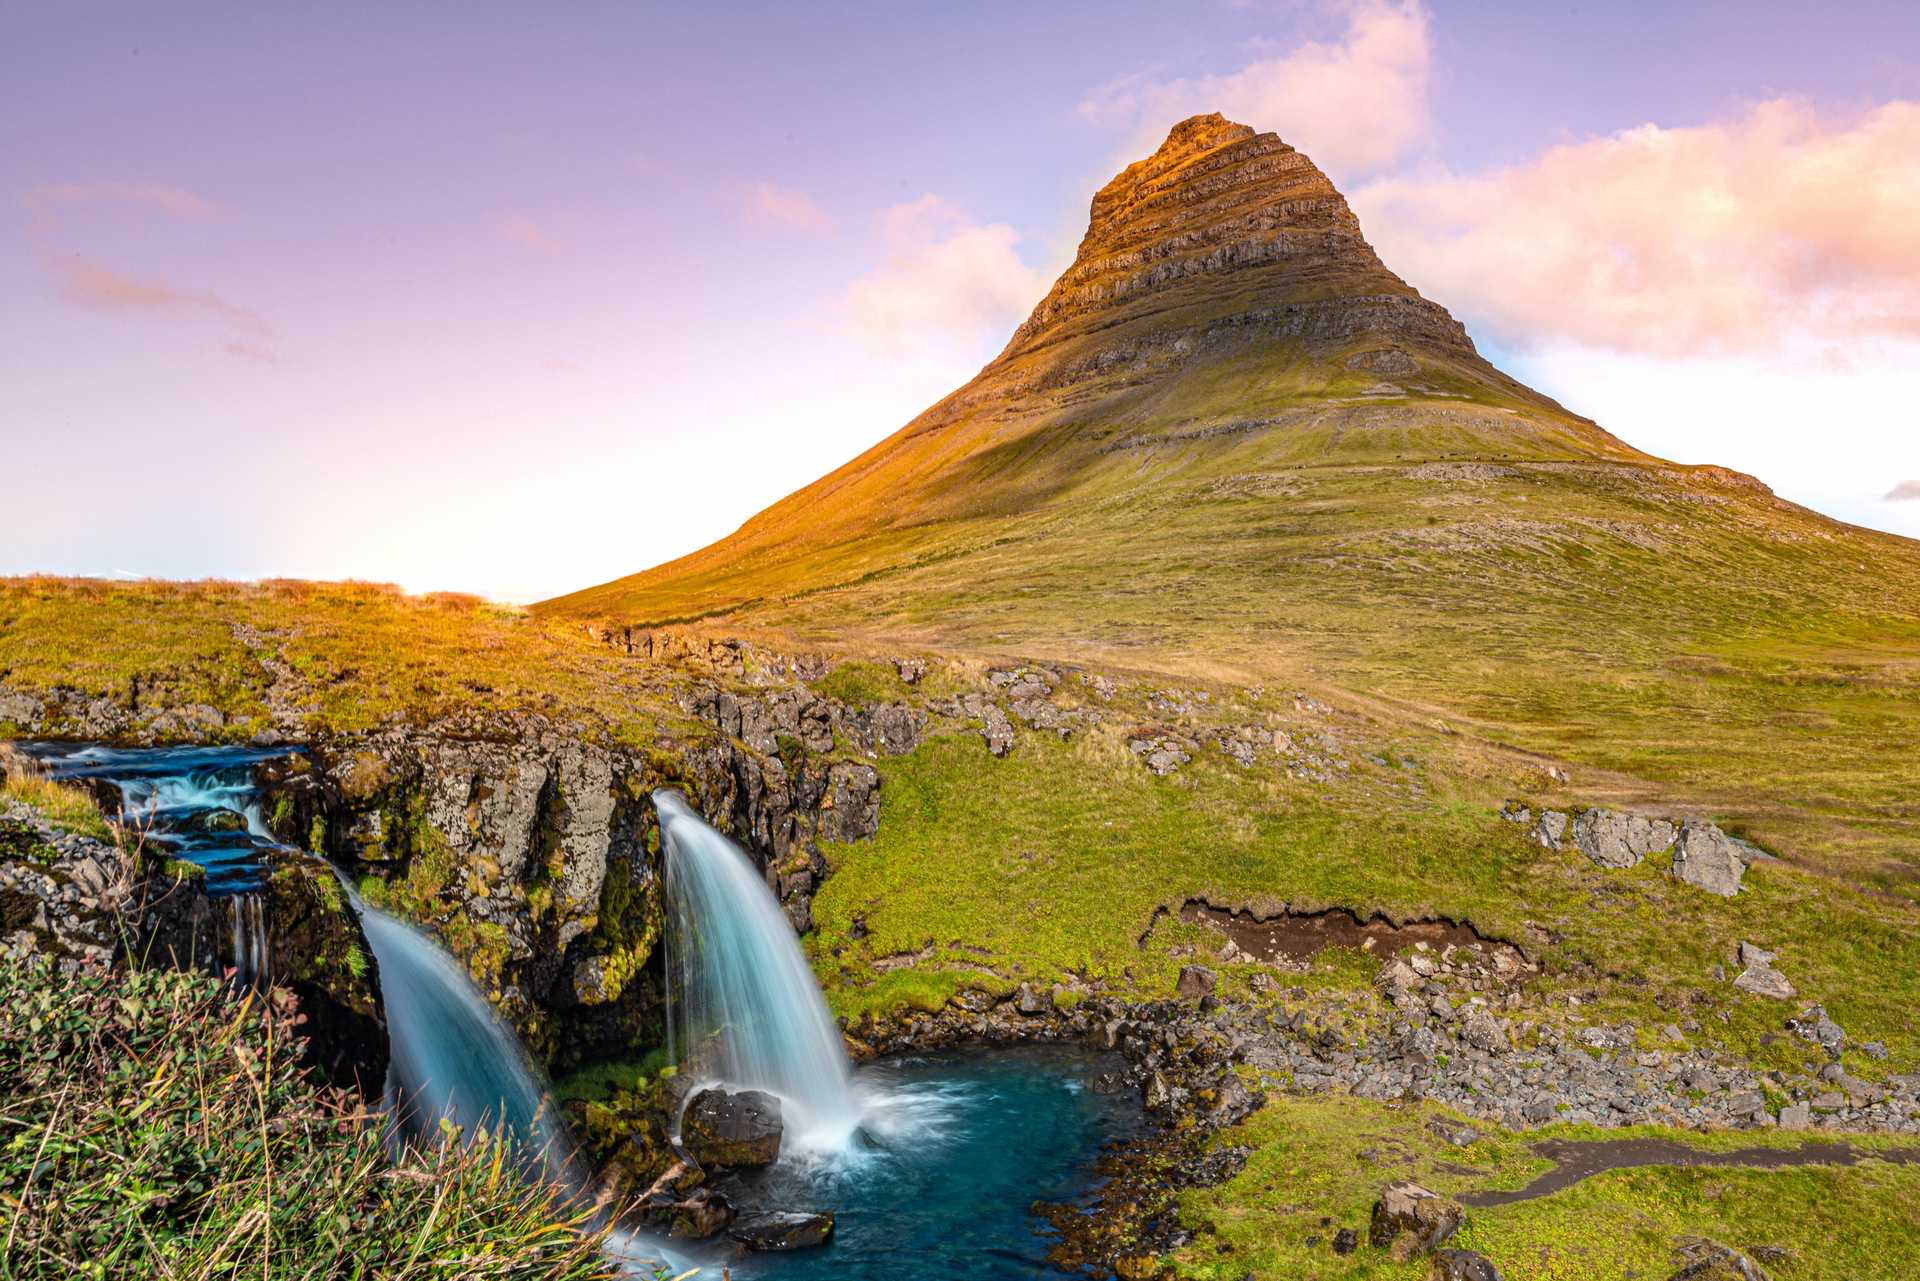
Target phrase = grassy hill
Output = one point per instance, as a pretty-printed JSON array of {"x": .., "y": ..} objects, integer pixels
[{"x": 1282, "y": 467}]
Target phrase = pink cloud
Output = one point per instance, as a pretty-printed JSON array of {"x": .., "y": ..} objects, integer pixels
[
  {"x": 946, "y": 282},
  {"x": 523, "y": 230},
  {"x": 1354, "y": 104},
  {"x": 88, "y": 284},
  {"x": 173, "y": 201},
  {"x": 1907, "y": 491},
  {"x": 771, "y": 205},
  {"x": 1740, "y": 236}
]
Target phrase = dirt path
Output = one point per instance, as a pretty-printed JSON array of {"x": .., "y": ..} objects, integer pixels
[{"x": 1576, "y": 1161}]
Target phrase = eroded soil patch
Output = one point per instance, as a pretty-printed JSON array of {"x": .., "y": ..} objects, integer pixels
[{"x": 1287, "y": 935}]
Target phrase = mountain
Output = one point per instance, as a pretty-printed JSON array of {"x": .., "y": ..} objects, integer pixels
[{"x": 1231, "y": 443}]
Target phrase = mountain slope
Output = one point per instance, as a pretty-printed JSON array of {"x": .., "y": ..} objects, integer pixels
[{"x": 1231, "y": 444}]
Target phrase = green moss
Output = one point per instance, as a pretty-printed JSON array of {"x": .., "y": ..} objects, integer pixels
[{"x": 182, "y": 870}]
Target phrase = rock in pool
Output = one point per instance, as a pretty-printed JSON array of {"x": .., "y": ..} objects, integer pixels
[
  {"x": 732, "y": 1130},
  {"x": 782, "y": 1229}
]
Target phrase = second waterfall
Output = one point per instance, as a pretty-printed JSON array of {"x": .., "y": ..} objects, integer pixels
[{"x": 743, "y": 1008}]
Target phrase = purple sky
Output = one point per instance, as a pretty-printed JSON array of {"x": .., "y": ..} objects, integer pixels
[{"x": 515, "y": 299}]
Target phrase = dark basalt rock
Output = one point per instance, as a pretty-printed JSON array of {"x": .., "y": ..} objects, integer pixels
[
  {"x": 1412, "y": 1220},
  {"x": 215, "y": 820},
  {"x": 700, "y": 1214},
  {"x": 782, "y": 1229},
  {"x": 1462, "y": 1265},
  {"x": 732, "y": 1130}
]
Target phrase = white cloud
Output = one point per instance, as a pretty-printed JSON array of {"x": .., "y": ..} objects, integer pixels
[
  {"x": 771, "y": 205},
  {"x": 1750, "y": 235},
  {"x": 1907, "y": 491},
  {"x": 1354, "y": 105},
  {"x": 947, "y": 284}
]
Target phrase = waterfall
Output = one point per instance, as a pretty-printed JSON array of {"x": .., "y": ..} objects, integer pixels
[
  {"x": 249, "y": 916},
  {"x": 743, "y": 1008},
  {"x": 451, "y": 1058}
]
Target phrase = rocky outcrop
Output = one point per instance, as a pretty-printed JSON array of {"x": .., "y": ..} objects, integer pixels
[
  {"x": 1703, "y": 855},
  {"x": 1217, "y": 198},
  {"x": 1412, "y": 1221},
  {"x": 1710, "y": 859},
  {"x": 1758, "y": 975},
  {"x": 531, "y": 851},
  {"x": 87, "y": 902},
  {"x": 1621, "y": 840}
]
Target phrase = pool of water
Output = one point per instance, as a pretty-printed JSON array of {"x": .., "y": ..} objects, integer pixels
[
  {"x": 166, "y": 792},
  {"x": 956, "y": 1150}
]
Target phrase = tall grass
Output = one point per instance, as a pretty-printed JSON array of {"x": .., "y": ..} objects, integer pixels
[{"x": 152, "y": 1128}]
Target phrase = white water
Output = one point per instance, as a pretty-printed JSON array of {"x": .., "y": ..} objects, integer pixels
[
  {"x": 743, "y": 1009},
  {"x": 451, "y": 1058}
]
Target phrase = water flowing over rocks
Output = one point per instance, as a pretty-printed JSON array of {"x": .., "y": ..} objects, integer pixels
[{"x": 93, "y": 903}]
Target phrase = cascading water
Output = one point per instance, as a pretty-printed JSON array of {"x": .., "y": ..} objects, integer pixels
[
  {"x": 743, "y": 1007},
  {"x": 452, "y": 1059},
  {"x": 450, "y": 1056}
]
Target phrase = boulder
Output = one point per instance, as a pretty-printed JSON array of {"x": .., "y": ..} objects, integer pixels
[
  {"x": 1412, "y": 1220},
  {"x": 1759, "y": 976},
  {"x": 1196, "y": 981},
  {"x": 1462, "y": 1265},
  {"x": 1484, "y": 1032},
  {"x": 1550, "y": 830},
  {"x": 701, "y": 1214},
  {"x": 1030, "y": 1001},
  {"x": 1620, "y": 840},
  {"x": 1814, "y": 1024},
  {"x": 996, "y": 729},
  {"x": 1708, "y": 858},
  {"x": 782, "y": 1229},
  {"x": 1703, "y": 1260},
  {"x": 216, "y": 820},
  {"x": 725, "y": 1129},
  {"x": 1346, "y": 1241}
]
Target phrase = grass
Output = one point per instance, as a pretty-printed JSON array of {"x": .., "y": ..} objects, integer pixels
[
  {"x": 152, "y": 1128},
  {"x": 1050, "y": 865},
  {"x": 1316, "y": 1165},
  {"x": 335, "y": 656},
  {"x": 67, "y": 807}
]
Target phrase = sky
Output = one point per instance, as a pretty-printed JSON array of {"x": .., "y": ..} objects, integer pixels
[{"x": 514, "y": 299}]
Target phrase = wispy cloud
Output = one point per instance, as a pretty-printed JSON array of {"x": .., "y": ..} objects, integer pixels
[
  {"x": 1741, "y": 236},
  {"x": 771, "y": 205},
  {"x": 946, "y": 282},
  {"x": 1907, "y": 491},
  {"x": 173, "y": 201},
  {"x": 1354, "y": 104},
  {"x": 522, "y": 230},
  {"x": 95, "y": 287}
]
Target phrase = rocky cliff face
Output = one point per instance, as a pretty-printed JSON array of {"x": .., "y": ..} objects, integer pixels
[
  {"x": 533, "y": 852},
  {"x": 1218, "y": 199}
]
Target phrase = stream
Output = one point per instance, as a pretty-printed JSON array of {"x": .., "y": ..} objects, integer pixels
[{"x": 931, "y": 1165}]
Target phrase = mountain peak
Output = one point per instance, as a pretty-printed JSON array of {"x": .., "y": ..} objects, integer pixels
[{"x": 1223, "y": 223}]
